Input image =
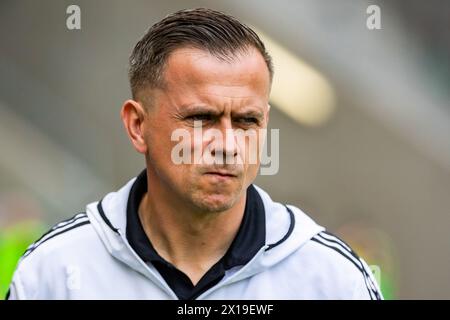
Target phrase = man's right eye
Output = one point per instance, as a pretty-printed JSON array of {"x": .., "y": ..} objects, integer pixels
[{"x": 200, "y": 117}]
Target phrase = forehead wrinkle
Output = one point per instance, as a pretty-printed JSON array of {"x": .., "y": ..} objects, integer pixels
[
  {"x": 233, "y": 103},
  {"x": 229, "y": 96},
  {"x": 205, "y": 68}
]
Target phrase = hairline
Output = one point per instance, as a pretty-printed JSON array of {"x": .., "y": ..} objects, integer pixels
[{"x": 230, "y": 57}]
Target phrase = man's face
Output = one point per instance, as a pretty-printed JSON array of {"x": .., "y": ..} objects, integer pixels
[{"x": 227, "y": 97}]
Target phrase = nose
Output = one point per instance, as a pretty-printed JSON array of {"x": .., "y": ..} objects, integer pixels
[{"x": 227, "y": 147}]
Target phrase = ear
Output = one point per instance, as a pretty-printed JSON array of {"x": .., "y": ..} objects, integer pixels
[{"x": 133, "y": 115}]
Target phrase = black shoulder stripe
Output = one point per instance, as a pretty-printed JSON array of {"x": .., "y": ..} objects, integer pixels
[
  {"x": 8, "y": 294},
  {"x": 103, "y": 215},
  {"x": 57, "y": 234},
  {"x": 342, "y": 245},
  {"x": 59, "y": 225},
  {"x": 345, "y": 248},
  {"x": 348, "y": 249},
  {"x": 291, "y": 228},
  {"x": 349, "y": 259},
  {"x": 68, "y": 221},
  {"x": 338, "y": 251},
  {"x": 345, "y": 244},
  {"x": 359, "y": 267}
]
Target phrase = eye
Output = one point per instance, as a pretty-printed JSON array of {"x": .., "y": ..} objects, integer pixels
[
  {"x": 200, "y": 117},
  {"x": 247, "y": 120}
]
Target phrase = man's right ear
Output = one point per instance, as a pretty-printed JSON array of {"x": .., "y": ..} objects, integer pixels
[{"x": 133, "y": 115}]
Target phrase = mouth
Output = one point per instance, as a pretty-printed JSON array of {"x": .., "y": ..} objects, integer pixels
[{"x": 224, "y": 174}]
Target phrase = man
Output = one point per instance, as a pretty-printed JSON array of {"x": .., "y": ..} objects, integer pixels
[{"x": 194, "y": 229}]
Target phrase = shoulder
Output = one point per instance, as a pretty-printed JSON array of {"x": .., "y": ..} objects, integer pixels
[
  {"x": 63, "y": 232},
  {"x": 69, "y": 240},
  {"x": 339, "y": 264}
]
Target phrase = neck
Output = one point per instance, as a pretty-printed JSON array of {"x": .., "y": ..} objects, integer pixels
[{"x": 192, "y": 241}]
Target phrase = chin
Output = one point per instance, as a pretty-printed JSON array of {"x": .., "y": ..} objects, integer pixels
[
  {"x": 209, "y": 195},
  {"x": 215, "y": 202}
]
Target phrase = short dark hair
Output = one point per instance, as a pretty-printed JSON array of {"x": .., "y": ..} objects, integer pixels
[{"x": 220, "y": 34}]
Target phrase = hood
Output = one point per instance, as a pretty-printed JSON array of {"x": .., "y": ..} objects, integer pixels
[{"x": 287, "y": 229}]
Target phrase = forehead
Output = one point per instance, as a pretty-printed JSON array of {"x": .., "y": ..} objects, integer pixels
[{"x": 244, "y": 75}]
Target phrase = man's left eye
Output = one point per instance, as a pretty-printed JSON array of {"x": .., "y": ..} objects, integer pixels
[{"x": 248, "y": 120}]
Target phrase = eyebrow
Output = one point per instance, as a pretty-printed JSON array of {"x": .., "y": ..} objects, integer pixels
[{"x": 204, "y": 109}]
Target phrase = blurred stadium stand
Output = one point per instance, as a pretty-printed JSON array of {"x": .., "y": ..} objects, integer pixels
[{"x": 376, "y": 170}]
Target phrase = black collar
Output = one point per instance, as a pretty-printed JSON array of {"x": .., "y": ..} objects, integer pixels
[{"x": 249, "y": 240}]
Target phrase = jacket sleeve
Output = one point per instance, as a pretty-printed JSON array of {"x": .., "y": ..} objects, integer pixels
[
  {"x": 28, "y": 280},
  {"x": 16, "y": 290},
  {"x": 366, "y": 287}
]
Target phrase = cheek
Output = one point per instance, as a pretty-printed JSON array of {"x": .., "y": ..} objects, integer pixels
[
  {"x": 198, "y": 144},
  {"x": 251, "y": 171},
  {"x": 250, "y": 149},
  {"x": 160, "y": 145}
]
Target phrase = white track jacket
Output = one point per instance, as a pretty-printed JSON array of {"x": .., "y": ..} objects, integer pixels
[{"x": 89, "y": 257}]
